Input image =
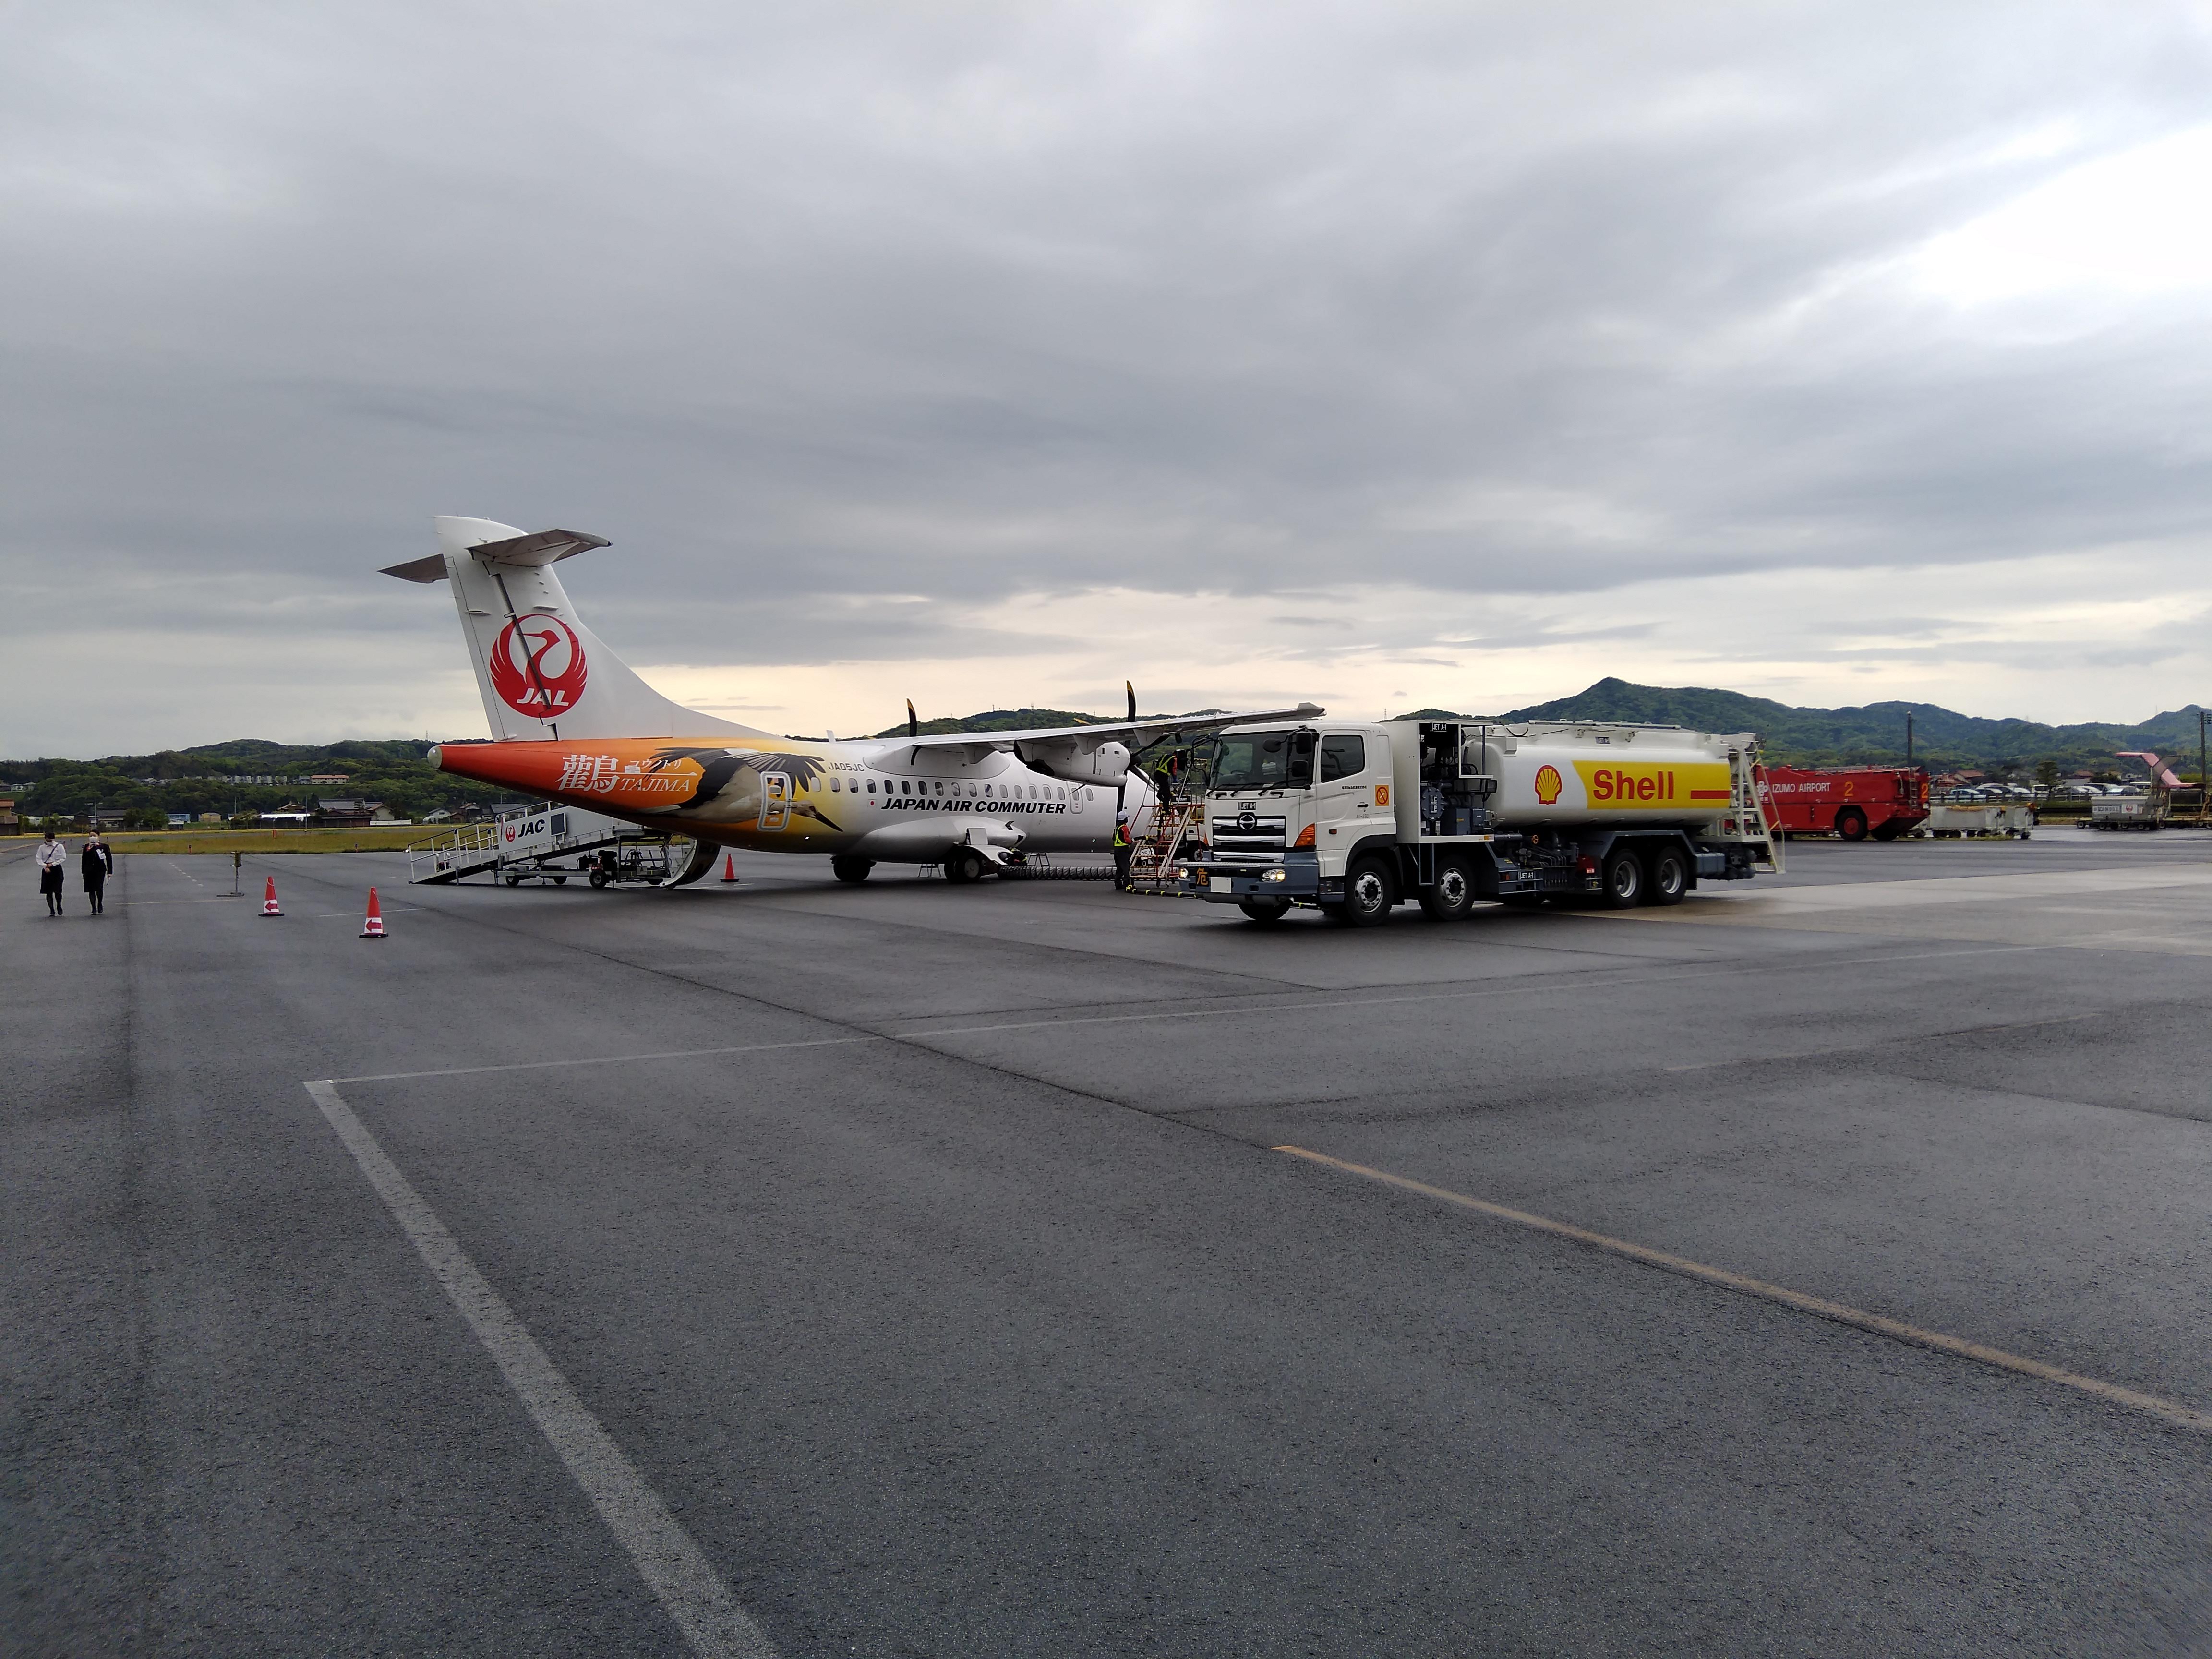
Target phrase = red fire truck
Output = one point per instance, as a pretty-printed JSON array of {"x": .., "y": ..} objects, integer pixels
[{"x": 1853, "y": 802}]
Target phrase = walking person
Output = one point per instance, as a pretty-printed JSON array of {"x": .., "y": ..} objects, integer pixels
[
  {"x": 50, "y": 858},
  {"x": 99, "y": 864}
]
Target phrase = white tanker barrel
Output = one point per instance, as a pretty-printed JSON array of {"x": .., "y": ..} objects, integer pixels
[{"x": 1605, "y": 775}]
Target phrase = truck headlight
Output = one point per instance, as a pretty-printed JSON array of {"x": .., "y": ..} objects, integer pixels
[{"x": 1275, "y": 875}]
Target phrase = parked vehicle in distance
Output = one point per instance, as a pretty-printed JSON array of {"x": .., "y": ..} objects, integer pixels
[
  {"x": 2141, "y": 811},
  {"x": 1852, "y": 802}
]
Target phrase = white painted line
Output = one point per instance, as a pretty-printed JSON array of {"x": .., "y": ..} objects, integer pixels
[
  {"x": 672, "y": 1563},
  {"x": 609, "y": 1060},
  {"x": 2150, "y": 1405},
  {"x": 1970, "y": 890},
  {"x": 1536, "y": 988}
]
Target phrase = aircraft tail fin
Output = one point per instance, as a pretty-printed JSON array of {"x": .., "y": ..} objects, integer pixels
[{"x": 542, "y": 673}]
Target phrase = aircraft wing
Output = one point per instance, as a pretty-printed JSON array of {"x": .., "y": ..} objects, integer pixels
[{"x": 1136, "y": 734}]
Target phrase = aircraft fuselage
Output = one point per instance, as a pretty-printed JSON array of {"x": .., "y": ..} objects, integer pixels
[{"x": 878, "y": 797}]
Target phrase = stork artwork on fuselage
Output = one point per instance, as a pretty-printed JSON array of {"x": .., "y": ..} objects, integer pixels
[{"x": 571, "y": 722}]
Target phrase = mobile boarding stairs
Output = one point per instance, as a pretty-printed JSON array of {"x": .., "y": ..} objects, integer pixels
[{"x": 524, "y": 844}]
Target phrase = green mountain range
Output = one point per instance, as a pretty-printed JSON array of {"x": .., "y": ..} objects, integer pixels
[{"x": 1942, "y": 739}]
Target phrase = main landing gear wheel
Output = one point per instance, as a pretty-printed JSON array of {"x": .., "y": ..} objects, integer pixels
[
  {"x": 1623, "y": 878},
  {"x": 1266, "y": 912},
  {"x": 962, "y": 866},
  {"x": 1453, "y": 895},
  {"x": 1851, "y": 824},
  {"x": 1369, "y": 894},
  {"x": 1670, "y": 878},
  {"x": 847, "y": 868}
]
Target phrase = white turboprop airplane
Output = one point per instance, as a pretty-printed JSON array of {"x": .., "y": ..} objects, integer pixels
[{"x": 571, "y": 722}]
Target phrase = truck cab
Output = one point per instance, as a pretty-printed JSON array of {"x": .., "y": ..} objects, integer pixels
[{"x": 1395, "y": 808}]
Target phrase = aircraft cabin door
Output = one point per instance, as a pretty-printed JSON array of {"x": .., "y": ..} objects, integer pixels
[{"x": 776, "y": 800}]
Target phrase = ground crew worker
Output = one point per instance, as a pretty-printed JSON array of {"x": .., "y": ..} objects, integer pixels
[{"x": 1121, "y": 850}]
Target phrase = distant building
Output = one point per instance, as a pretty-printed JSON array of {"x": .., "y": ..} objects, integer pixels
[
  {"x": 179, "y": 820},
  {"x": 8, "y": 822},
  {"x": 285, "y": 815},
  {"x": 345, "y": 814},
  {"x": 211, "y": 817},
  {"x": 329, "y": 777}
]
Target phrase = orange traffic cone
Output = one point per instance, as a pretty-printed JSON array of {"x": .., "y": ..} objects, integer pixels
[
  {"x": 269, "y": 905},
  {"x": 729, "y": 867},
  {"x": 374, "y": 928}
]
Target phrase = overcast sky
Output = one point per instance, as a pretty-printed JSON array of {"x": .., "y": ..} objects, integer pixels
[{"x": 1384, "y": 355}]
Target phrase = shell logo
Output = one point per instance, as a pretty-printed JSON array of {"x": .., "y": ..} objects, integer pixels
[{"x": 1548, "y": 785}]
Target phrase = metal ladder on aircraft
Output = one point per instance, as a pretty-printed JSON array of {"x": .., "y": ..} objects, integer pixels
[{"x": 1159, "y": 839}]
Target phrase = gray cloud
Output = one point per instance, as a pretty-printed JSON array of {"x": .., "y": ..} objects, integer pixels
[{"x": 809, "y": 308}]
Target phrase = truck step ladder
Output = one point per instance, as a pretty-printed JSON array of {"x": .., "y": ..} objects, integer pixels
[{"x": 1749, "y": 819}]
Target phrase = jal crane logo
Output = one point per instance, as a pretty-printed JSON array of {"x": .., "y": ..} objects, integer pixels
[
  {"x": 538, "y": 666},
  {"x": 1548, "y": 785}
]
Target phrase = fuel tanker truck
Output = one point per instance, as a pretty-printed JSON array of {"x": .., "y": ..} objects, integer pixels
[{"x": 1355, "y": 819}]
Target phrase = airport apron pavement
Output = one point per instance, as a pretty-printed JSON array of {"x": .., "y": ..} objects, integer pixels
[{"x": 1820, "y": 1266}]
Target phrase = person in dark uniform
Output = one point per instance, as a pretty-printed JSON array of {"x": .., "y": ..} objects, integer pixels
[
  {"x": 1122, "y": 851},
  {"x": 98, "y": 864},
  {"x": 50, "y": 856}
]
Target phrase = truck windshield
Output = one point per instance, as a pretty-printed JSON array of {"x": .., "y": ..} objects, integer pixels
[{"x": 1264, "y": 760}]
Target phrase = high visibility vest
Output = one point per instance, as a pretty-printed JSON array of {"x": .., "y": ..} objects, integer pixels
[{"x": 1122, "y": 834}]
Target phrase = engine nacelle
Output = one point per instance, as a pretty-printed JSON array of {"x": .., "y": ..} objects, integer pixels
[{"x": 1073, "y": 761}]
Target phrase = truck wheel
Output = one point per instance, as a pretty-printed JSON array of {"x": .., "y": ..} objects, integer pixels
[
  {"x": 964, "y": 865},
  {"x": 1266, "y": 912},
  {"x": 513, "y": 880},
  {"x": 598, "y": 878},
  {"x": 1623, "y": 879},
  {"x": 1670, "y": 878},
  {"x": 1851, "y": 824},
  {"x": 1886, "y": 830},
  {"x": 846, "y": 867},
  {"x": 1453, "y": 895},
  {"x": 559, "y": 881},
  {"x": 1369, "y": 894}
]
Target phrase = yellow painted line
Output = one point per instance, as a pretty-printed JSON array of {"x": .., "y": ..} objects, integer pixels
[{"x": 2150, "y": 1405}]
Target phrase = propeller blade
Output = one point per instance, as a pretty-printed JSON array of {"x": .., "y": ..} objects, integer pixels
[
  {"x": 1131, "y": 689},
  {"x": 913, "y": 726}
]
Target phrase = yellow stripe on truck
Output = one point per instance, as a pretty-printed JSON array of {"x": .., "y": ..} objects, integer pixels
[{"x": 1638, "y": 787}]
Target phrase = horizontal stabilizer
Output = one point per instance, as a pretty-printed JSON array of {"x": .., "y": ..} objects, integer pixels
[
  {"x": 535, "y": 550},
  {"x": 540, "y": 547}
]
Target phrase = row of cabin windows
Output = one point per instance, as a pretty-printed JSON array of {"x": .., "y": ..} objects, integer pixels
[{"x": 995, "y": 792}]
